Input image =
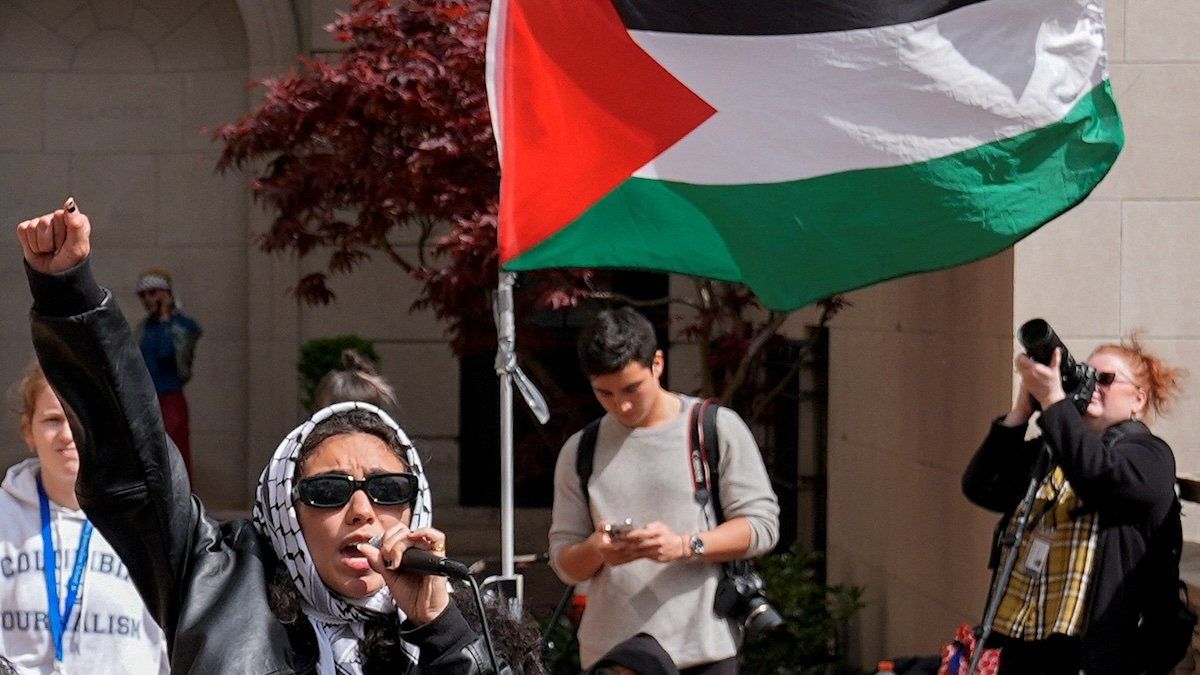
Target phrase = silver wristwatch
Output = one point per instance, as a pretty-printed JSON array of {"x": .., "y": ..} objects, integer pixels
[{"x": 695, "y": 546}]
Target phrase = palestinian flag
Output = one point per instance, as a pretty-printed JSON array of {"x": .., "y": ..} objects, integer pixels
[{"x": 802, "y": 148}]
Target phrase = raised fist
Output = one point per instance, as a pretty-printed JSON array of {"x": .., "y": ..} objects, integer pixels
[{"x": 56, "y": 241}]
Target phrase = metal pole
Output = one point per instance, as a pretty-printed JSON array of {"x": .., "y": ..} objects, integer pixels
[
  {"x": 506, "y": 333},
  {"x": 509, "y": 584},
  {"x": 507, "y": 545}
]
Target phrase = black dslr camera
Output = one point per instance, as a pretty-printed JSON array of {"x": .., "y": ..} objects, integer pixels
[
  {"x": 1078, "y": 379},
  {"x": 740, "y": 597}
]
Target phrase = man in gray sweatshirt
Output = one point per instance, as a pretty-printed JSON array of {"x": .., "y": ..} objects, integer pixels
[{"x": 660, "y": 577}]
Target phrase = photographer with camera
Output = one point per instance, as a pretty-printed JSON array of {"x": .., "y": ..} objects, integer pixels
[
  {"x": 635, "y": 515},
  {"x": 1094, "y": 587}
]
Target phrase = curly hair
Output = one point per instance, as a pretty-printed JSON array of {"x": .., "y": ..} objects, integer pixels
[
  {"x": 518, "y": 641},
  {"x": 1160, "y": 381},
  {"x": 379, "y": 646}
]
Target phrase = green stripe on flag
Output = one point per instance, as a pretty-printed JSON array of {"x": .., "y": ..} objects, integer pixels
[{"x": 796, "y": 242}]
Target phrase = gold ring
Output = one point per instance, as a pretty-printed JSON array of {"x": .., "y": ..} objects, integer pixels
[{"x": 440, "y": 548}]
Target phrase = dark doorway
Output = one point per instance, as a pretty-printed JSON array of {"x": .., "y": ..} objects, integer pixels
[{"x": 793, "y": 429}]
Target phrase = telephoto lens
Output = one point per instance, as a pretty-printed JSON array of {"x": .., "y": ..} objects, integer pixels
[
  {"x": 763, "y": 620},
  {"x": 1078, "y": 379},
  {"x": 1040, "y": 341}
]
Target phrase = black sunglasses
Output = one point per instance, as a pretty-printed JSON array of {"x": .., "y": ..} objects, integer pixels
[
  {"x": 329, "y": 491},
  {"x": 1107, "y": 379}
]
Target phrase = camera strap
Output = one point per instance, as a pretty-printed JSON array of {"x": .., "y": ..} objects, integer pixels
[{"x": 704, "y": 455}]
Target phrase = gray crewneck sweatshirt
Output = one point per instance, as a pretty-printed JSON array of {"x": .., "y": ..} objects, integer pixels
[{"x": 643, "y": 474}]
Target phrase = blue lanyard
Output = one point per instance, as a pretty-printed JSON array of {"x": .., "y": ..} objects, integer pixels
[{"x": 58, "y": 619}]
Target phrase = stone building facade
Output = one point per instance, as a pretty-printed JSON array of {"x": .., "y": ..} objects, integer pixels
[
  {"x": 920, "y": 366},
  {"x": 108, "y": 100}
]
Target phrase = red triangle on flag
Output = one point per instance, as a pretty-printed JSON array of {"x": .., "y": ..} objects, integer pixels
[{"x": 583, "y": 107}]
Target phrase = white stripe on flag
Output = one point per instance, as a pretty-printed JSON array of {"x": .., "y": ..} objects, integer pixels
[
  {"x": 494, "y": 65},
  {"x": 798, "y": 106}
]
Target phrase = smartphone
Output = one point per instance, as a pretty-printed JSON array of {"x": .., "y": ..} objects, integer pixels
[{"x": 619, "y": 530}]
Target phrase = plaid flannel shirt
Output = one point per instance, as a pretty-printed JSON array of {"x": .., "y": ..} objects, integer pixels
[{"x": 1037, "y": 605}]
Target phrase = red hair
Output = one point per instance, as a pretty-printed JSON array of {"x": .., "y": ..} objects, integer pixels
[{"x": 1160, "y": 381}]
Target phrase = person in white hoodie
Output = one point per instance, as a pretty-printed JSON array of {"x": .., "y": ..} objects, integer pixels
[{"x": 80, "y": 612}]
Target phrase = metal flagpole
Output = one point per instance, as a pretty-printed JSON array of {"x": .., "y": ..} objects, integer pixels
[
  {"x": 505, "y": 356},
  {"x": 510, "y": 374}
]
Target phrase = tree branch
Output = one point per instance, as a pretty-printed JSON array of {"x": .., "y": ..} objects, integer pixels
[
  {"x": 394, "y": 255},
  {"x": 759, "y": 408},
  {"x": 426, "y": 225},
  {"x": 618, "y": 297},
  {"x": 756, "y": 345}
]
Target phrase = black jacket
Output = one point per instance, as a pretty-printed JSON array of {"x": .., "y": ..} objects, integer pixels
[
  {"x": 204, "y": 581},
  {"x": 1127, "y": 476}
]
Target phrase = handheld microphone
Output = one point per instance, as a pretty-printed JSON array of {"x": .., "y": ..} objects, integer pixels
[{"x": 419, "y": 561}]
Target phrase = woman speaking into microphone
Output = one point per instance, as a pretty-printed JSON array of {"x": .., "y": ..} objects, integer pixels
[{"x": 301, "y": 588}]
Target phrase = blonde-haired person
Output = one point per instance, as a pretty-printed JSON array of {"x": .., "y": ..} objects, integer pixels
[
  {"x": 102, "y": 625},
  {"x": 1101, "y": 552}
]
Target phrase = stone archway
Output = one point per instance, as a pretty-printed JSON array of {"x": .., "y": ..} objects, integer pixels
[{"x": 109, "y": 100}]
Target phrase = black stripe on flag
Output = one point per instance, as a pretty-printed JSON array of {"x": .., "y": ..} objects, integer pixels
[{"x": 776, "y": 17}]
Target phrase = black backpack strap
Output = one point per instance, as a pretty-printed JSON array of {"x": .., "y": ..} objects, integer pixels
[{"x": 586, "y": 454}]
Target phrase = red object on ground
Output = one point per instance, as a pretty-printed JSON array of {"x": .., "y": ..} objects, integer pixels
[{"x": 578, "y": 605}]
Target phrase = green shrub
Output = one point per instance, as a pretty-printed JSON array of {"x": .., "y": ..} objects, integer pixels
[
  {"x": 814, "y": 640},
  {"x": 321, "y": 355},
  {"x": 562, "y": 649}
]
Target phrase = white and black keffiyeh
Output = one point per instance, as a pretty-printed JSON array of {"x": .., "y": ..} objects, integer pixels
[{"x": 338, "y": 620}]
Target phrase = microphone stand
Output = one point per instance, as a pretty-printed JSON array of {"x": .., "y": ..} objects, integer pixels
[{"x": 1024, "y": 507}]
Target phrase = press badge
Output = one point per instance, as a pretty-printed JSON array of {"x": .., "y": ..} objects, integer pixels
[{"x": 1037, "y": 554}]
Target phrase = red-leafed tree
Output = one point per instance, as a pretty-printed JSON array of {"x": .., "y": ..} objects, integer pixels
[{"x": 390, "y": 140}]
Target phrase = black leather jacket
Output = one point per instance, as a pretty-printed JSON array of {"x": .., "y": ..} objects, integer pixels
[{"x": 204, "y": 581}]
